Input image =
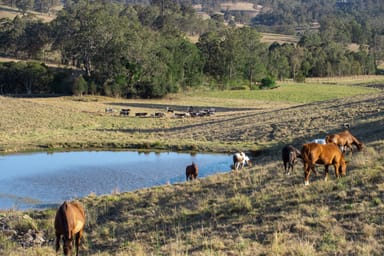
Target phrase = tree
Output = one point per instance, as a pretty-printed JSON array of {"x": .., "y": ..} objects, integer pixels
[
  {"x": 278, "y": 64},
  {"x": 24, "y": 5},
  {"x": 79, "y": 86},
  {"x": 252, "y": 54}
]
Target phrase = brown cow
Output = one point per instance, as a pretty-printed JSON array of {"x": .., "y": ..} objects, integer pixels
[
  {"x": 69, "y": 223},
  {"x": 191, "y": 171},
  {"x": 344, "y": 140},
  {"x": 327, "y": 154}
]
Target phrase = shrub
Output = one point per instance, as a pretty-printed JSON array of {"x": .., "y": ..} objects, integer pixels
[
  {"x": 268, "y": 83},
  {"x": 79, "y": 86}
]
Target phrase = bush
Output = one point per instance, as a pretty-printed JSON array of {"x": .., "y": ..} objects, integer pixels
[
  {"x": 79, "y": 86},
  {"x": 300, "y": 78},
  {"x": 268, "y": 83}
]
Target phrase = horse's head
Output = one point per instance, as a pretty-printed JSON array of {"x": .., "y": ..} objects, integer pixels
[
  {"x": 343, "y": 168},
  {"x": 67, "y": 246},
  {"x": 248, "y": 161},
  {"x": 360, "y": 146}
]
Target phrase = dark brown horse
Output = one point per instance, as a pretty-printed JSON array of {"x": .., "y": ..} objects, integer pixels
[
  {"x": 69, "y": 224},
  {"x": 191, "y": 171},
  {"x": 327, "y": 154},
  {"x": 289, "y": 154},
  {"x": 344, "y": 140}
]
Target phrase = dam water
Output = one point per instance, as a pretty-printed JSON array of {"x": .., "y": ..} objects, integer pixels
[{"x": 42, "y": 180}]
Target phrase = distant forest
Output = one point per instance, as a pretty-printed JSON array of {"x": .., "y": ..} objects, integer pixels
[{"x": 144, "y": 48}]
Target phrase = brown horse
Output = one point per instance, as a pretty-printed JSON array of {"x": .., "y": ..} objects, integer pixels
[
  {"x": 69, "y": 223},
  {"x": 344, "y": 140},
  {"x": 327, "y": 154},
  {"x": 289, "y": 155},
  {"x": 191, "y": 171}
]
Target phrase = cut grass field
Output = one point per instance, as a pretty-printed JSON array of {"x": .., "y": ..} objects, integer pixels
[{"x": 255, "y": 211}]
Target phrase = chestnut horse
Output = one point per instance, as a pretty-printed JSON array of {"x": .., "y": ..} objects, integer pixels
[
  {"x": 344, "y": 140},
  {"x": 69, "y": 223},
  {"x": 289, "y": 155},
  {"x": 191, "y": 171},
  {"x": 324, "y": 154}
]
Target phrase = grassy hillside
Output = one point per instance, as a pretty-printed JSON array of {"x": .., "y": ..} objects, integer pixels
[
  {"x": 11, "y": 12},
  {"x": 256, "y": 211}
]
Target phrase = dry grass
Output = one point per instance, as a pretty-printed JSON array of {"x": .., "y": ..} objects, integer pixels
[
  {"x": 256, "y": 211},
  {"x": 73, "y": 123},
  {"x": 11, "y": 12},
  {"x": 279, "y": 38}
]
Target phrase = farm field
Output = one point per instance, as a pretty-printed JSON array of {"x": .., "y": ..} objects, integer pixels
[{"x": 255, "y": 211}]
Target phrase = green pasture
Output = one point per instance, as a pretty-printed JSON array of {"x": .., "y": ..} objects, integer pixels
[{"x": 292, "y": 93}]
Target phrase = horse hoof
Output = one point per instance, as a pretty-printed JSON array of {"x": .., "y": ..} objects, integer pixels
[{"x": 306, "y": 183}]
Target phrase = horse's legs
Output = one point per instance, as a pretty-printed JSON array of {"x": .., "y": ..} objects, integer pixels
[
  {"x": 57, "y": 242},
  {"x": 77, "y": 241},
  {"x": 326, "y": 172},
  {"x": 307, "y": 172},
  {"x": 337, "y": 173},
  {"x": 290, "y": 168}
]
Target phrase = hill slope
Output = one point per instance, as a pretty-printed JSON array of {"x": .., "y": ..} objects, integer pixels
[{"x": 256, "y": 211}]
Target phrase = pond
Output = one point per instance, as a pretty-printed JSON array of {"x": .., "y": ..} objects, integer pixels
[{"x": 42, "y": 180}]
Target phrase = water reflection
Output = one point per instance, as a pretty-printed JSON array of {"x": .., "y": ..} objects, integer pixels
[{"x": 42, "y": 179}]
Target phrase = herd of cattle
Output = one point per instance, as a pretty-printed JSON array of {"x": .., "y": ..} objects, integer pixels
[{"x": 190, "y": 112}]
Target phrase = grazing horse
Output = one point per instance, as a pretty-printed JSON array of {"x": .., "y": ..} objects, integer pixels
[
  {"x": 69, "y": 223},
  {"x": 290, "y": 154},
  {"x": 240, "y": 159},
  {"x": 191, "y": 171},
  {"x": 344, "y": 140},
  {"x": 328, "y": 154}
]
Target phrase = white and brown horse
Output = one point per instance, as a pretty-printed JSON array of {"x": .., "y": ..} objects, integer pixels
[{"x": 240, "y": 160}]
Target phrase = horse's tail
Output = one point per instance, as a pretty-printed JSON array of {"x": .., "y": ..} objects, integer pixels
[
  {"x": 65, "y": 216},
  {"x": 305, "y": 154},
  {"x": 298, "y": 153}
]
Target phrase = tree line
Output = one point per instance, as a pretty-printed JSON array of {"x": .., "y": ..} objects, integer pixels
[{"x": 144, "y": 51}]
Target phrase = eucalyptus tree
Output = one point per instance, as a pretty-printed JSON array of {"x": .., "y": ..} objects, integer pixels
[
  {"x": 252, "y": 54},
  {"x": 82, "y": 29},
  {"x": 24, "y": 78},
  {"x": 278, "y": 61},
  {"x": 10, "y": 34},
  {"x": 35, "y": 38},
  {"x": 24, "y": 5},
  {"x": 210, "y": 47}
]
